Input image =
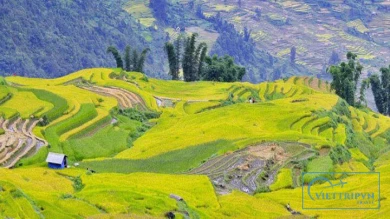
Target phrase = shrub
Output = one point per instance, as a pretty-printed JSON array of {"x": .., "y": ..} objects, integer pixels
[
  {"x": 145, "y": 78},
  {"x": 16, "y": 193},
  {"x": 66, "y": 196},
  {"x": 77, "y": 184},
  {"x": 262, "y": 189},
  {"x": 340, "y": 154}
]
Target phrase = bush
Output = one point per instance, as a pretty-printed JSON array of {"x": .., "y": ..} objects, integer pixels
[
  {"x": 66, "y": 196},
  {"x": 16, "y": 193},
  {"x": 141, "y": 116},
  {"x": 262, "y": 189},
  {"x": 145, "y": 78},
  {"x": 77, "y": 183},
  {"x": 340, "y": 154}
]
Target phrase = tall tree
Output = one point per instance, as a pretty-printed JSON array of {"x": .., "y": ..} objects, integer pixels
[
  {"x": 170, "y": 50},
  {"x": 198, "y": 60},
  {"x": 202, "y": 58},
  {"x": 134, "y": 59},
  {"x": 381, "y": 89},
  {"x": 222, "y": 69},
  {"x": 188, "y": 58},
  {"x": 127, "y": 58},
  {"x": 197, "y": 65},
  {"x": 346, "y": 77},
  {"x": 364, "y": 86},
  {"x": 141, "y": 61},
  {"x": 117, "y": 57}
]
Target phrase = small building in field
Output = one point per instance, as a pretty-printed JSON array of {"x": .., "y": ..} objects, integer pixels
[{"x": 56, "y": 161}]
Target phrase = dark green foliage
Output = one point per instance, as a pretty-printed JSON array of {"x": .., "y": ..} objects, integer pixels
[
  {"x": 192, "y": 60},
  {"x": 140, "y": 116},
  {"x": 3, "y": 81},
  {"x": 16, "y": 193},
  {"x": 77, "y": 183},
  {"x": 198, "y": 66},
  {"x": 145, "y": 78},
  {"x": 127, "y": 58},
  {"x": 134, "y": 114},
  {"x": 66, "y": 196},
  {"x": 262, "y": 189},
  {"x": 117, "y": 57},
  {"x": 362, "y": 97},
  {"x": 229, "y": 100},
  {"x": 134, "y": 59},
  {"x": 69, "y": 36},
  {"x": 222, "y": 69},
  {"x": 135, "y": 62},
  {"x": 188, "y": 58},
  {"x": 381, "y": 90},
  {"x": 345, "y": 78},
  {"x": 139, "y": 65},
  {"x": 340, "y": 154},
  {"x": 159, "y": 8},
  {"x": 198, "y": 59},
  {"x": 6, "y": 98},
  {"x": 173, "y": 70},
  {"x": 44, "y": 121}
]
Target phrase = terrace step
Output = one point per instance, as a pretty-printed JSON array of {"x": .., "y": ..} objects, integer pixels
[{"x": 18, "y": 141}]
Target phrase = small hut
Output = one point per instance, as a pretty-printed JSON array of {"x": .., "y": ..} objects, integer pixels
[{"x": 56, "y": 161}]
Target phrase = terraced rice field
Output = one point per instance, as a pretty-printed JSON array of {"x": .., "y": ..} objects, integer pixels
[
  {"x": 314, "y": 29},
  {"x": 208, "y": 139},
  {"x": 18, "y": 141},
  {"x": 248, "y": 169}
]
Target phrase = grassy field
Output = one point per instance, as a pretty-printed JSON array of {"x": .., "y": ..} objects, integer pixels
[
  {"x": 184, "y": 160},
  {"x": 140, "y": 162}
]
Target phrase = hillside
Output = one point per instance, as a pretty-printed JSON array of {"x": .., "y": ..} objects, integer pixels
[
  {"x": 317, "y": 29},
  {"x": 147, "y": 139},
  {"x": 51, "y": 39}
]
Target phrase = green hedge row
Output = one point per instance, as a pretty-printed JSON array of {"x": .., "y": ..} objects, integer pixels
[
  {"x": 60, "y": 104},
  {"x": 5, "y": 98},
  {"x": 52, "y": 134},
  {"x": 91, "y": 128}
]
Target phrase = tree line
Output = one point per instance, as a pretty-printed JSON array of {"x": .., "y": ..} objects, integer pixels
[
  {"x": 346, "y": 76},
  {"x": 184, "y": 54},
  {"x": 131, "y": 61}
]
